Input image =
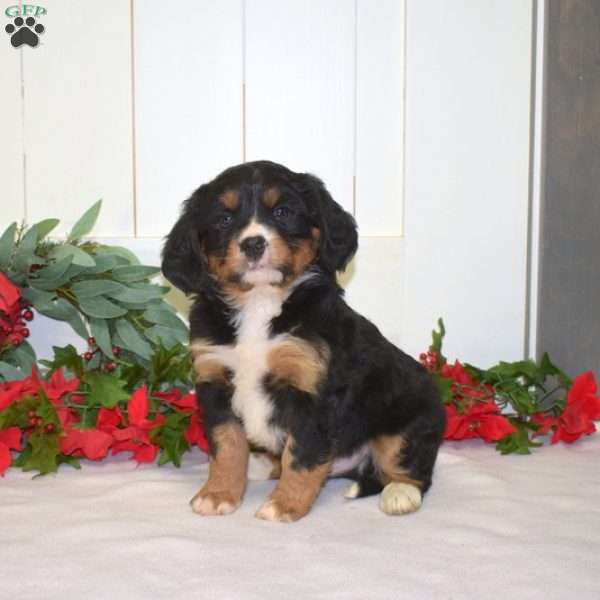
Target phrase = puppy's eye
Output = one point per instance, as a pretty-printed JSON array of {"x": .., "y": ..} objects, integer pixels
[
  {"x": 281, "y": 212},
  {"x": 224, "y": 221}
]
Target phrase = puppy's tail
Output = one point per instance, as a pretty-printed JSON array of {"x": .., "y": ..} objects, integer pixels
[{"x": 366, "y": 480}]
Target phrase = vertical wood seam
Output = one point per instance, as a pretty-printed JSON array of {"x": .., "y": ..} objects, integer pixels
[{"x": 133, "y": 118}]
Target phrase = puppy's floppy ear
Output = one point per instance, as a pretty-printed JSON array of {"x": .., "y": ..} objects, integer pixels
[
  {"x": 339, "y": 239},
  {"x": 183, "y": 261}
]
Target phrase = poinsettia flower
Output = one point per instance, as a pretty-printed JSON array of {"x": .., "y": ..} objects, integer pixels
[
  {"x": 176, "y": 399},
  {"x": 10, "y": 439},
  {"x": 89, "y": 443},
  {"x": 109, "y": 419},
  {"x": 9, "y": 295},
  {"x": 15, "y": 390},
  {"x": 577, "y": 418},
  {"x": 58, "y": 386},
  {"x": 195, "y": 434},
  {"x": 483, "y": 420},
  {"x": 136, "y": 437}
]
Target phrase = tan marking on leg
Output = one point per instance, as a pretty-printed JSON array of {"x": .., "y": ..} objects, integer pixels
[
  {"x": 296, "y": 491},
  {"x": 387, "y": 453},
  {"x": 401, "y": 494},
  {"x": 230, "y": 200},
  {"x": 270, "y": 197},
  {"x": 227, "y": 475},
  {"x": 298, "y": 363}
]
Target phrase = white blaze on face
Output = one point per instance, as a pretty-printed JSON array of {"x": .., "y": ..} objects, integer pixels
[{"x": 261, "y": 271}]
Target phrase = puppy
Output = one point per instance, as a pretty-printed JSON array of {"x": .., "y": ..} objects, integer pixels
[{"x": 282, "y": 362}]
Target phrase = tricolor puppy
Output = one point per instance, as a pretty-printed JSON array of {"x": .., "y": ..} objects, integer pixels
[{"x": 283, "y": 364}]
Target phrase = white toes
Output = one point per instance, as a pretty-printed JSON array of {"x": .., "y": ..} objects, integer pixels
[
  {"x": 400, "y": 498},
  {"x": 207, "y": 507},
  {"x": 352, "y": 491},
  {"x": 268, "y": 511}
]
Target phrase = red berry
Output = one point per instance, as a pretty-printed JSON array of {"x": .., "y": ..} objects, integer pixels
[
  {"x": 88, "y": 356},
  {"x": 49, "y": 428},
  {"x": 28, "y": 315},
  {"x": 422, "y": 357},
  {"x": 32, "y": 414},
  {"x": 15, "y": 339},
  {"x": 91, "y": 341},
  {"x": 25, "y": 332},
  {"x": 116, "y": 350},
  {"x": 110, "y": 366}
]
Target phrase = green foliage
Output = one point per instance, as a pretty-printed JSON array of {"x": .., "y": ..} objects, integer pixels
[{"x": 98, "y": 290}]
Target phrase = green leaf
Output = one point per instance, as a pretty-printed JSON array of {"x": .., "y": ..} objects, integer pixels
[
  {"x": 437, "y": 339},
  {"x": 445, "y": 388},
  {"x": 105, "y": 389},
  {"x": 62, "y": 310},
  {"x": 25, "y": 253},
  {"x": 104, "y": 262},
  {"x": 7, "y": 245},
  {"x": 24, "y": 357},
  {"x": 90, "y": 288},
  {"x": 44, "y": 227},
  {"x": 121, "y": 252},
  {"x": 130, "y": 273},
  {"x": 37, "y": 297},
  {"x": 161, "y": 315},
  {"x": 72, "y": 461},
  {"x": 518, "y": 442},
  {"x": 132, "y": 340},
  {"x": 101, "y": 333},
  {"x": 78, "y": 256},
  {"x": 101, "y": 308},
  {"x": 548, "y": 368},
  {"x": 41, "y": 455},
  {"x": 171, "y": 438},
  {"x": 139, "y": 293},
  {"x": 168, "y": 337},
  {"x": 53, "y": 271},
  {"x": 9, "y": 372},
  {"x": 67, "y": 357},
  {"x": 85, "y": 223}
]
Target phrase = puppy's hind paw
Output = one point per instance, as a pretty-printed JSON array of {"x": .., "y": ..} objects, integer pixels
[{"x": 400, "y": 498}]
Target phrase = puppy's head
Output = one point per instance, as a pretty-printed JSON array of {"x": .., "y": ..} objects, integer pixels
[{"x": 257, "y": 224}]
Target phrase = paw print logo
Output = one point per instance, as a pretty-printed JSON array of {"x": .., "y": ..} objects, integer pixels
[{"x": 24, "y": 32}]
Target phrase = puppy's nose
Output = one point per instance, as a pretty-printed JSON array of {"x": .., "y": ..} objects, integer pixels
[{"x": 254, "y": 247}]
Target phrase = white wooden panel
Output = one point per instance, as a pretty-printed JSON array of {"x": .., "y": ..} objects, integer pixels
[
  {"x": 188, "y": 82},
  {"x": 78, "y": 117},
  {"x": 379, "y": 116},
  {"x": 300, "y": 88},
  {"x": 467, "y": 157},
  {"x": 12, "y": 201}
]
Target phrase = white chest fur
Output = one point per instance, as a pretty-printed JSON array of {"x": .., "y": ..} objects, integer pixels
[{"x": 248, "y": 361}]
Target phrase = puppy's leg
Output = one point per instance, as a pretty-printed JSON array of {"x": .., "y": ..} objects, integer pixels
[
  {"x": 405, "y": 462},
  {"x": 227, "y": 475},
  {"x": 264, "y": 465},
  {"x": 297, "y": 489}
]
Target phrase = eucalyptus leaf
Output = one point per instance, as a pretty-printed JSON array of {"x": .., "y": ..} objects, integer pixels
[
  {"x": 104, "y": 262},
  {"x": 101, "y": 308},
  {"x": 132, "y": 339},
  {"x": 44, "y": 227},
  {"x": 10, "y": 372},
  {"x": 91, "y": 288},
  {"x": 55, "y": 270},
  {"x": 138, "y": 293},
  {"x": 159, "y": 334},
  {"x": 24, "y": 356},
  {"x": 36, "y": 297},
  {"x": 7, "y": 244},
  {"x": 79, "y": 257},
  {"x": 131, "y": 273},
  {"x": 25, "y": 252},
  {"x": 86, "y": 222},
  {"x": 162, "y": 316},
  {"x": 121, "y": 252},
  {"x": 101, "y": 333}
]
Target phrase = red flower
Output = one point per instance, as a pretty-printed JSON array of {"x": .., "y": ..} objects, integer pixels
[
  {"x": 174, "y": 398},
  {"x": 136, "y": 438},
  {"x": 15, "y": 390},
  {"x": 577, "y": 418},
  {"x": 457, "y": 373},
  {"x": 58, "y": 386},
  {"x": 9, "y": 294},
  {"x": 90, "y": 443},
  {"x": 482, "y": 420},
  {"x": 195, "y": 434},
  {"x": 10, "y": 439}
]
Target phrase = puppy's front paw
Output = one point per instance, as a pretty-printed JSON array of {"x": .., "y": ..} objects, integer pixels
[
  {"x": 275, "y": 509},
  {"x": 400, "y": 498},
  {"x": 214, "y": 503}
]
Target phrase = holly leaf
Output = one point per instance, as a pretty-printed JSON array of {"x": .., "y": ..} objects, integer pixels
[
  {"x": 171, "y": 438},
  {"x": 105, "y": 389},
  {"x": 41, "y": 454},
  {"x": 520, "y": 441},
  {"x": 445, "y": 388},
  {"x": 437, "y": 340},
  {"x": 67, "y": 357}
]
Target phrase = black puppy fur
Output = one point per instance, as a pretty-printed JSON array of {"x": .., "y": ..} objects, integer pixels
[{"x": 370, "y": 389}]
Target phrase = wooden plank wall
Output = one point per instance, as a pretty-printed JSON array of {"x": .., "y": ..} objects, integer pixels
[{"x": 569, "y": 286}]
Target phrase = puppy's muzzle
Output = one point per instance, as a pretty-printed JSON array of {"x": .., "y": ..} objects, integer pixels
[{"x": 254, "y": 247}]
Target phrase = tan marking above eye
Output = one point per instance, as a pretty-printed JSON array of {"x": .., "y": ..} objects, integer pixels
[
  {"x": 298, "y": 363},
  {"x": 230, "y": 199},
  {"x": 271, "y": 196}
]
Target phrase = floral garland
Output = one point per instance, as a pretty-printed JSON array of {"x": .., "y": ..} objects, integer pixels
[
  {"x": 131, "y": 390},
  {"x": 513, "y": 404}
]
